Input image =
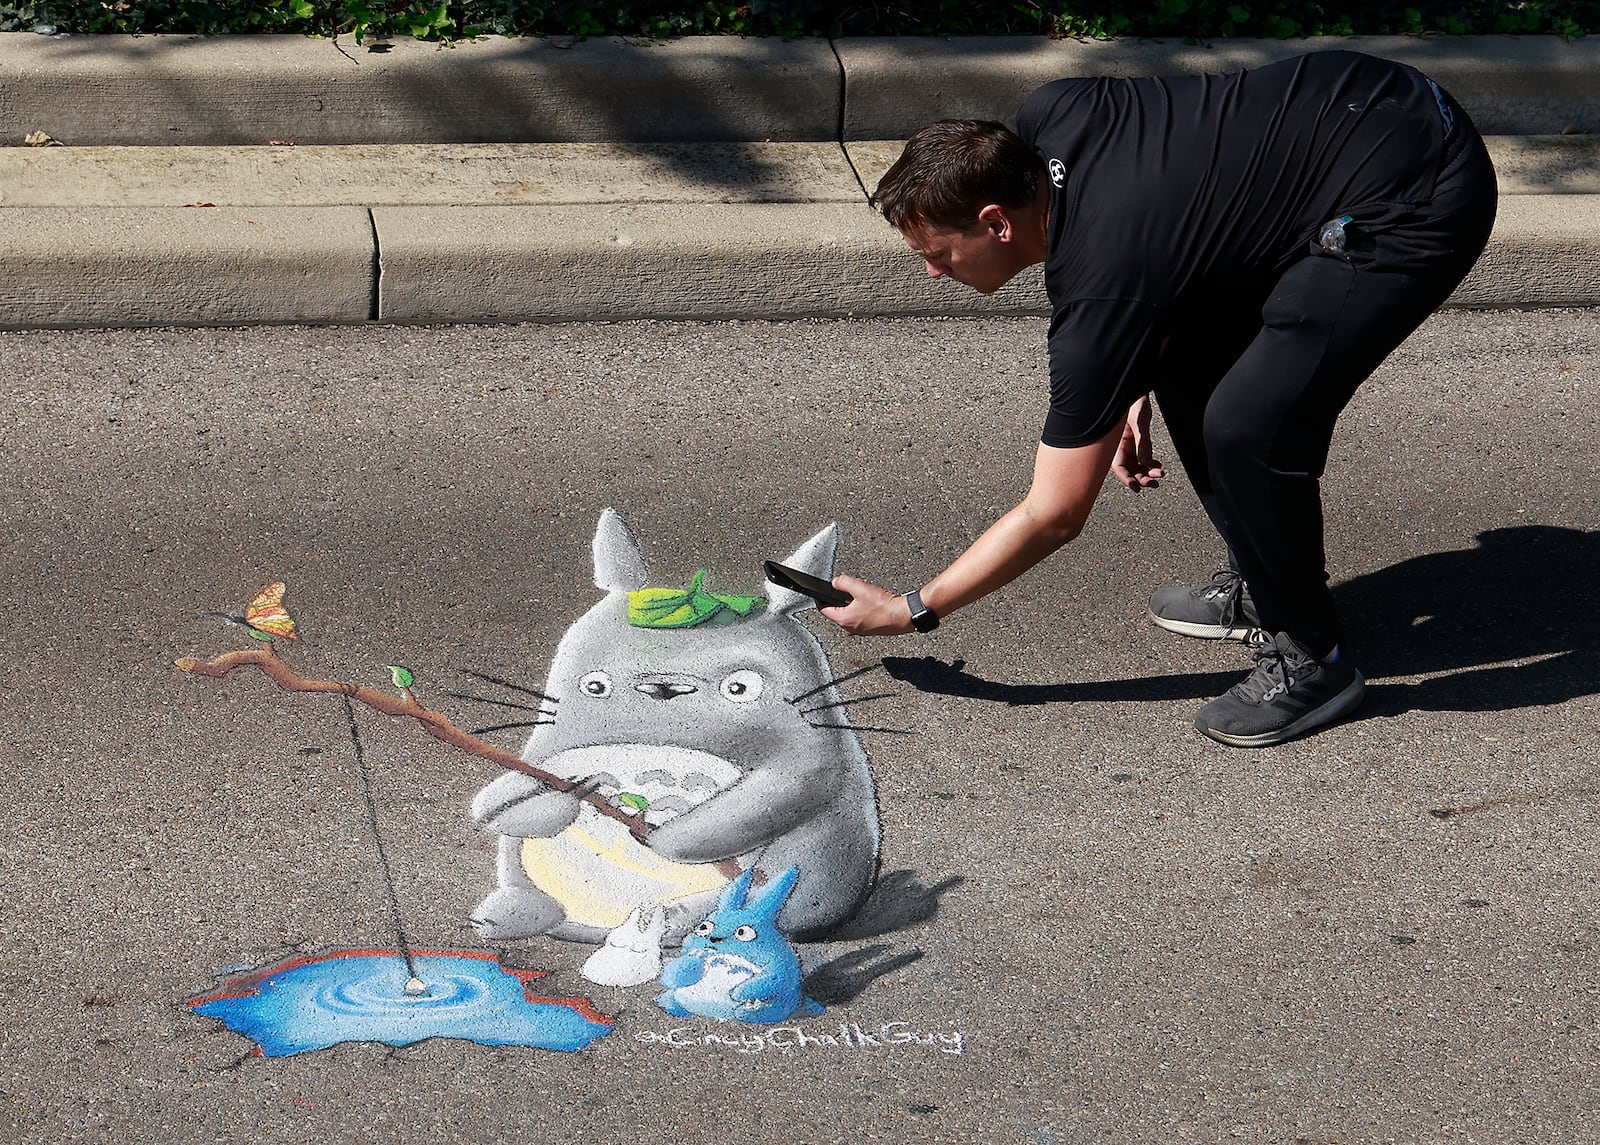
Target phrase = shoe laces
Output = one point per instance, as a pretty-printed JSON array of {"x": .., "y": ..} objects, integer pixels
[
  {"x": 1228, "y": 586},
  {"x": 1278, "y": 662}
]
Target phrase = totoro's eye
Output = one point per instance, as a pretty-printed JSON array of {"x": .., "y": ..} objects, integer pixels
[
  {"x": 705, "y": 927},
  {"x": 596, "y": 684},
  {"x": 745, "y": 933},
  {"x": 742, "y": 686}
]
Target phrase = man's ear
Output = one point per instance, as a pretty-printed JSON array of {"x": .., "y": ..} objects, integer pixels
[{"x": 997, "y": 220}]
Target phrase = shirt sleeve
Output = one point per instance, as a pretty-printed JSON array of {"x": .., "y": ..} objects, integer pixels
[
  {"x": 1103, "y": 353},
  {"x": 1039, "y": 103}
]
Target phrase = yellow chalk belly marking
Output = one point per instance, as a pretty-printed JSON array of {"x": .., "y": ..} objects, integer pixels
[{"x": 598, "y": 872}]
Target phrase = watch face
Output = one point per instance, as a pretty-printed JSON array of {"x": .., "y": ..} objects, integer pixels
[{"x": 923, "y": 618}]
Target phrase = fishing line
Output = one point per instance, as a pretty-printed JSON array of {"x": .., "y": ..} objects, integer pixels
[{"x": 377, "y": 839}]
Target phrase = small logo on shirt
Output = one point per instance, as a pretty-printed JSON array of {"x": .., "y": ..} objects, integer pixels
[{"x": 1058, "y": 173}]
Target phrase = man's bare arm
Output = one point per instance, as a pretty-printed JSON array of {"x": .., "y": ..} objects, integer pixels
[{"x": 1065, "y": 484}]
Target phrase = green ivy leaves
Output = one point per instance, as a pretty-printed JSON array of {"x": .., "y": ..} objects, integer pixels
[
  {"x": 685, "y": 608},
  {"x": 455, "y": 19}
]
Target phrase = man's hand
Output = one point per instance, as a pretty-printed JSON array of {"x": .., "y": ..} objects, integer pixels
[
  {"x": 1133, "y": 464},
  {"x": 874, "y": 611}
]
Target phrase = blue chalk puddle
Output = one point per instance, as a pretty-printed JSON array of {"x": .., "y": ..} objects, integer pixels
[{"x": 311, "y": 1002}]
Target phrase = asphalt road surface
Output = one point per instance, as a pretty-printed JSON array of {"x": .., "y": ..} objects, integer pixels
[{"x": 1099, "y": 926}]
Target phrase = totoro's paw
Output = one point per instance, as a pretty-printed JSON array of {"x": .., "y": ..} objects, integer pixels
[
  {"x": 668, "y": 1001},
  {"x": 512, "y": 913},
  {"x": 684, "y": 841},
  {"x": 512, "y": 787},
  {"x": 524, "y": 811}
]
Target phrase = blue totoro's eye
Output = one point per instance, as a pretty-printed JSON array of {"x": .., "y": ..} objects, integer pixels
[
  {"x": 596, "y": 684},
  {"x": 745, "y": 933},
  {"x": 705, "y": 927},
  {"x": 742, "y": 686}
]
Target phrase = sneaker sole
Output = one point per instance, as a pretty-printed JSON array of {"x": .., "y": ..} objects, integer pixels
[
  {"x": 1337, "y": 708},
  {"x": 1203, "y": 631}
]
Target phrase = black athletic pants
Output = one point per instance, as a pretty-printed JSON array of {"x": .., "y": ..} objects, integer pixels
[{"x": 1252, "y": 401}]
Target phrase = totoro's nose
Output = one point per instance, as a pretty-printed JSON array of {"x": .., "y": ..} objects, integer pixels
[{"x": 665, "y": 689}]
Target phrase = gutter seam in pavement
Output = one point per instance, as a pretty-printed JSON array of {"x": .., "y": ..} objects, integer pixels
[
  {"x": 844, "y": 95},
  {"x": 375, "y": 308}
]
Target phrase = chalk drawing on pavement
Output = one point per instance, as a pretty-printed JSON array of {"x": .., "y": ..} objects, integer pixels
[
  {"x": 737, "y": 965},
  {"x": 691, "y": 777},
  {"x": 710, "y": 734},
  {"x": 313, "y": 1002}
]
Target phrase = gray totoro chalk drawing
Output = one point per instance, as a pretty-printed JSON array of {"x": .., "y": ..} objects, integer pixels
[{"x": 713, "y": 719}]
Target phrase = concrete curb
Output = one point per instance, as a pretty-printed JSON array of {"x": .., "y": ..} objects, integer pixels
[
  {"x": 569, "y": 263},
  {"x": 453, "y": 174},
  {"x": 490, "y": 231},
  {"x": 560, "y": 174},
  {"x": 239, "y": 90},
  {"x": 174, "y": 266},
  {"x": 1510, "y": 85},
  {"x": 194, "y": 91},
  {"x": 494, "y": 264},
  {"x": 132, "y": 266}
]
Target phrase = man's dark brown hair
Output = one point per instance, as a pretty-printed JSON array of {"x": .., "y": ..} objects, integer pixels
[{"x": 952, "y": 169}]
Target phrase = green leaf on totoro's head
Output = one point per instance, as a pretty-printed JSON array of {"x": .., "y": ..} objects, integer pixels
[
  {"x": 401, "y": 675},
  {"x": 685, "y": 608},
  {"x": 637, "y": 802}
]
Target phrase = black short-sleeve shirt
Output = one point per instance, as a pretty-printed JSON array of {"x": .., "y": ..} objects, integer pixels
[{"x": 1167, "y": 191}]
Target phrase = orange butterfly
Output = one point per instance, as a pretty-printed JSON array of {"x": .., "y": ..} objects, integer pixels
[{"x": 265, "y": 616}]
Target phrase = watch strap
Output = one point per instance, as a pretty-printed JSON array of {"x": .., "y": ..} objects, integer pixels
[{"x": 923, "y": 618}]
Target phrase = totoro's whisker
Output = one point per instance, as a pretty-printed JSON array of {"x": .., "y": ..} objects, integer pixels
[
  {"x": 499, "y": 703},
  {"x": 859, "y": 728},
  {"x": 851, "y": 700},
  {"x": 518, "y": 724},
  {"x": 527, "y": 691},
  {"x": 835, "y": 680}
]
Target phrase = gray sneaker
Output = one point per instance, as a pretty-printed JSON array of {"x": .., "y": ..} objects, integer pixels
[
  {"x": 1221, "y": 610},
  {"x": 1289, "y": 693}
]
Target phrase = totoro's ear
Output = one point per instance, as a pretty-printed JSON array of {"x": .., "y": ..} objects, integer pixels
[
  {"x": 734, "y": 894},
  {"x": 815, "y": 557},
  {"x": 619, "y": 566},
  {"x": 775, "y": 893}
]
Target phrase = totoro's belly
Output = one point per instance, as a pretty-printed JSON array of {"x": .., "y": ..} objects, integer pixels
[
  {"x": 595, "y": 868},
  {"x": 713, "y": 990}
]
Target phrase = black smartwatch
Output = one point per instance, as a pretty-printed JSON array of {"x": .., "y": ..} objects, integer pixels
[{"x": 923, "y": 618}]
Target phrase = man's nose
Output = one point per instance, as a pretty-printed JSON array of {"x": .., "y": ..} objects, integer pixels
[{"x": 934, "y": 271}]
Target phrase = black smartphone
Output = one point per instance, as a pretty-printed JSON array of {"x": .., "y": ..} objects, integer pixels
[{"x": 813, "y": 586}]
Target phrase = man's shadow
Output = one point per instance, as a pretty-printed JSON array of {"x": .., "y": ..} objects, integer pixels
[{"x": 1512, "y": 622}]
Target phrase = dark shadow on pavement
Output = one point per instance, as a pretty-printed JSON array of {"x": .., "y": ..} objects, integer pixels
[
  {"x": 1463, "y": 618},
  {"x": 927, "y": 674},
  {"x": 843, "y": 979},
  {"x": 1529, "y": 593},
  {"x": 900, "y": 900}
]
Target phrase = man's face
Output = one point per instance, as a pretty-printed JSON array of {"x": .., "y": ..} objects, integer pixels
[{"x": 980, "y": 258}]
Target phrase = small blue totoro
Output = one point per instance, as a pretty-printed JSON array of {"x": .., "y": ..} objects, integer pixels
[
  {"x": 737, "y": 965},
  {"x": 716, "y": 721}
]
